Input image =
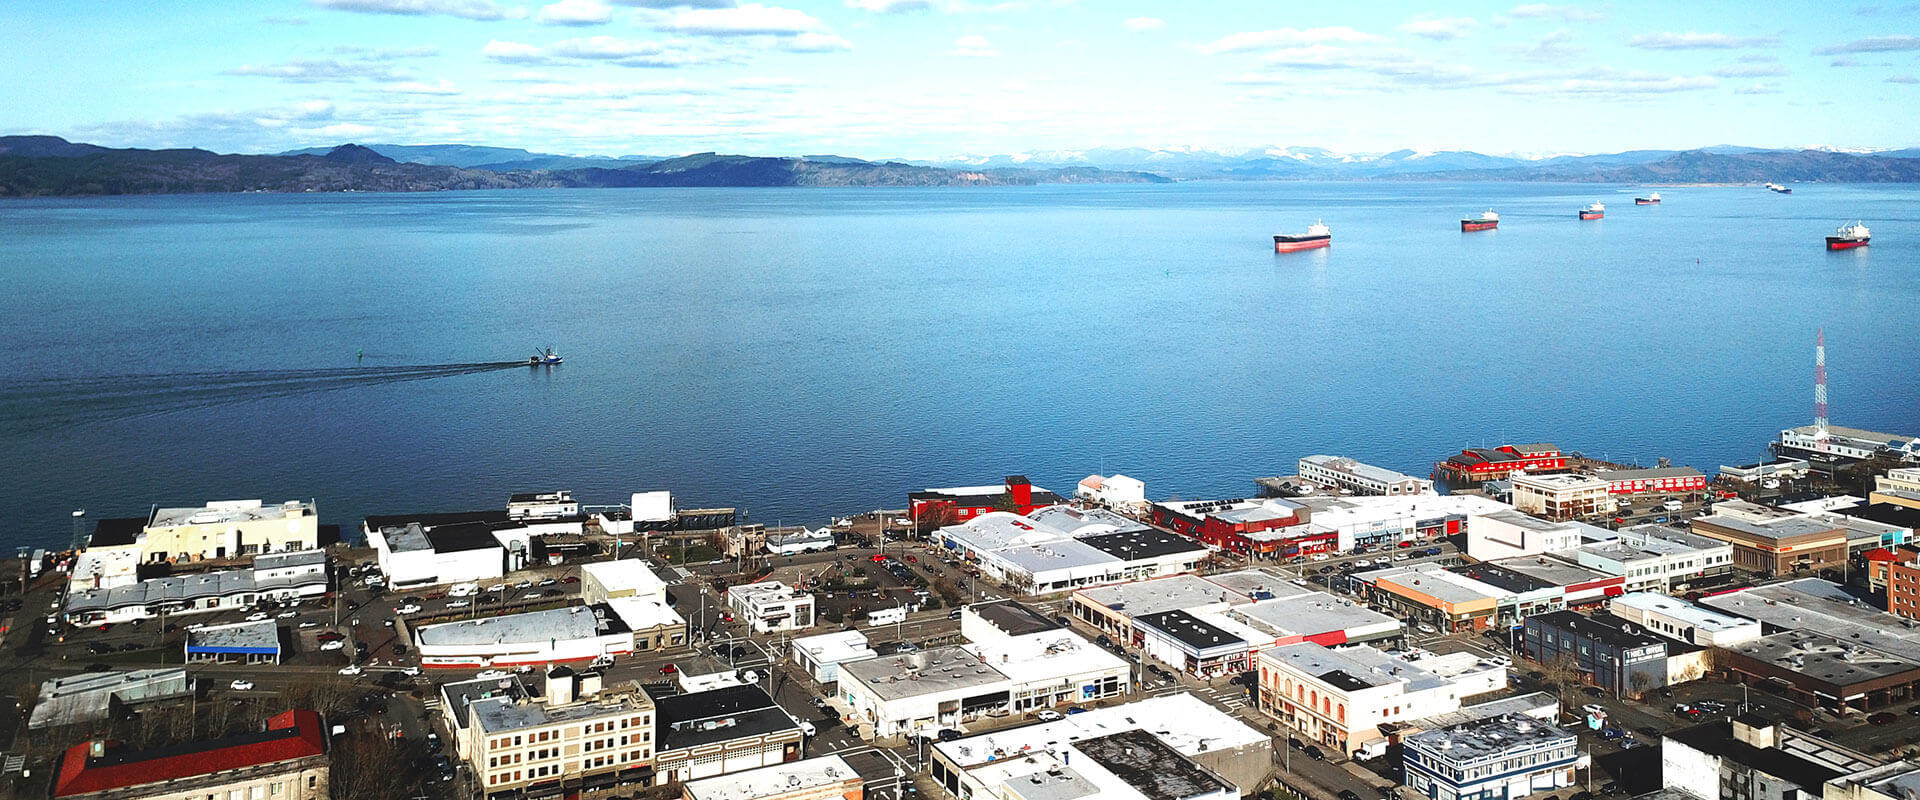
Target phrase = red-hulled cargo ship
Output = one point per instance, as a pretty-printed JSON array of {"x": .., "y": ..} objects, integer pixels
[
  {"x": 1593, "y": 211},
  {"x": 1317, "y": 235},
  {"x": 1484, "y": 222},
  {"x": 1649, "y": 200},
  {"x": 1848, "y": 237}
]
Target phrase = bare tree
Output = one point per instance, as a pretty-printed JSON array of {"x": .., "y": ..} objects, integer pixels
[{"x": 365, "y": 767}]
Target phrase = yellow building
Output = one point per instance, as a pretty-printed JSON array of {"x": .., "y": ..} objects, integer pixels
[
  {"x": 229, "y": 528},
  {"x": 1900, "y": 487}
]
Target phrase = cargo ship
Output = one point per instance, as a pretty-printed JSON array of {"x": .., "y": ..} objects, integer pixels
[
  {"x": 1848, "y": 237},
  {"x": 1484, "y": 222},
  {"x": 1317, "y": 235},
  {"x": 1649, "y": 200},
  {"x": 1774, "y": 187},
  {"x": 1593, "y": 211}
]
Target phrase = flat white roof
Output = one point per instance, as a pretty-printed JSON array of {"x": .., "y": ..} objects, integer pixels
[
  {"x": 1162, "y": 594},
  {"x": 836, "y": 648},
  {"x": 1049, "y": 655},
  {"x": 1316, "y": 613},
  {"x": 1682, "y": 610},
  {"x": 644, "y": 613},
  {"x": 1184, "y": 722},
  {"x": 573, "y": 622},
  {"x": 1812, "y": 604},
  {"x": 624, "y": 574},
  {"x": 777, "y": 780},
  {"x": 222, "y": 512}
]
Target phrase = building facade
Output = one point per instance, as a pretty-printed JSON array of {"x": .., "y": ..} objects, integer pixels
[
  {"x": 1624, "y": 662},
  {"x": 1478, "y": 465},
  {"x": 933, "y": 508},
  {"x": 1773, "y": 541},
  {"x": 1360, "y": 478},
  {"x": 771, "y": 606},
  {"x": 1659, "y": 480},
  {"x": 1342, "y": 698},
  {"x": 560, "y": 745},
  {"x": 1562, "y": 497},
  {"x": 1498, "y": 758},
  {"x": 286, "y": 761},
  {"x": 823, "y": 778},
  {"x": 729, "y": 729},
  {"x": 1271, "y": 527}
]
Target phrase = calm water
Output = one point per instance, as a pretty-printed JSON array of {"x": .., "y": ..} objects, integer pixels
[{"x": 804, "y": 352}]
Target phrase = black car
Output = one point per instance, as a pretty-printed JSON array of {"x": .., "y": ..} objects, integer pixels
[
  {"x": 99, "y": 648},
  {"x": 1315, "y": 754},
  {"x": 1103, "y": 641},
  {"x": 1295, "y": 743},
  {"x": 399, "y": 649},
  {"x": 1349, "y": 794},
  {"x": 98, "y": 668},
  {"x": 949, "y": 734},
  {"x": 1594, "y": 691}
]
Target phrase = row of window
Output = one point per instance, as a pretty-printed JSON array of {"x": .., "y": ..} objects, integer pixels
[{"x": 551, "y": 735}]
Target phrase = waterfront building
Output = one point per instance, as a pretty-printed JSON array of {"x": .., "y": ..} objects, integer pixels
[
  {"x": 628, "y": 577},
  {"x": 797, "y": 540},
  {"x": 279, "y": 577},
  {"x": 1268, "y": 528},
  {"x": 729, "y": 729},
  {"x": 771, "y": 606},
  {"x": 286, "y": 761},
  {"x": 522, "y": 747},
  {"x": 1360, "y": 478},
  {"x": 1477, "y": 465},
  {"x": 1832, "y": 443},
  {"x": 1060, "y": 548},
  {"x": 1773, "y": 541},
  {"x": 1342, "y": 698},
  {"x": 230, "y": 528},
  {"x": 1562, "y": 497},
  {"x": 1754, "y": 758},
  {"x": 1114, "y": 491},
  {"x": 1498, "y": 758},
  {"x": 1171, "y": 747},
  {"x": 1609, "y": 654},
  {"x": 1779, "y": 469},
  {"x": 933, "y": 508},
  {"x": 823, "y": 778},
  {"x": 1659, "y": 480},
  {"x": 542, "y": 505},
  {"x": 1682, "y": 621},
  {"x": 1382, "y": 522}
]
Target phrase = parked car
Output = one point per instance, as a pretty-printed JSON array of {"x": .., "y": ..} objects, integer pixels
[
  {"x": 459, "y": 604},
  {"x": 1425, "y": 628},
  {"x": 1048, "y": 715},
  {"x": 1883, "y": 718},
  {"x": 489, "y": 674},
  {"x": 1315, "y": 754},
  {"x": 949, "y": 734},
  {"x": 253, "y": 617},
  {"x": 240, "y": 685},
  {"x": 669, "y": 669},
  {"x": 333, "y": 645},
  {"x": 351, "y": 669},
  {"x": 309, "y": 624},
  {"x": 1349, "y": 794},
  {"x": 1593, "y": 709},
  {"x": 407, "y": 609}
]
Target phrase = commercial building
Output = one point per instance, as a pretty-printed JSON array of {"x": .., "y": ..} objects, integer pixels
[
  {"x": 415, "y": 554},
  {"x": 934, "y": 508},
  {"x": 733, "y": 728},
  {"x": 1477, "y": 465},
  {"x": 1116, "y": 491},
  {"x": 286, "y": 761},
  {"x": 457, "y": 696},
  {"x": 1682, "y": 621},
  {"x": 1499, "y": 758},
  {"x": 822, "y": 655},
  {"x": 1478, "y": 596},
  {"x": 1063, "y": 548},
  {"x": 99, "y": 695},
  {"x": 1360, "y": 478},
  {"x": 1656, "y": 481},
  {"x": 1269, "y": 528},
  {"x": 1773, "y": 541},
  {"x": 1895, "y": 522},
  {"x": 1112, "y": 608},
  {"x": 1655, "y": 558},
  {"x": 1562, "y": 497},
  {"x": 1380, "y": 522},
  {"x": 771, "y": 606},
  {"x": 794, "y": 541},
  {"x": 1833, "y": 443},
  {"x": 1819, "y": 606},
  {"x": 1754, "y": 758},
  {"x": 563, "y": 744},
  {"x": 239, "y": 643},
  {"x": 1900, "y": 486},
  {"x": 573, "y": 633},
  {"x": 1899, "y": 780},
  {"x": 1611, "y": 655},
  {"x": 1776, "y": 470},
  {"x": 1343, "y": 698},
  {"x": 1820, "y": 669},
  {"x": 280, "y": 577},
  {"x": 1198, "y": 647},
  {"x": 823, "y": 778},
  {"x": 229, "y": 528},
  {"x": 1509, "y": 534},
  {"x": 1172, "y": 747},
  {"x": 542, "y": 505},
  {"x": 607, "y": 580},
  {"x": 1208, "y": 642}
]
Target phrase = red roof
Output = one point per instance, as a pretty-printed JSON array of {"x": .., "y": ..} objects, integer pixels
[
  {"x": 1881, "y": 554},
  {"x": 289, "y": 735}
]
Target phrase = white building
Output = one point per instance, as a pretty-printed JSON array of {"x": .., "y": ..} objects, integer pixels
[
  {"x": 1060, "y": 548},
  {"x": 1360, "y": 478},
  {"x": 601, "y": 581},
  {"x": 822, "y": 655},
  {"x": 229, "y": 528},
  {"x": 574, "y": 633},
  {"x": 1683, "y": 621},
  {"x": 801, "y": 540},
  {"x": 1117, "y": 491},
  {"x": 542, "y": 505},
  {"x": 1654, "y": 557},
  {"x": 771, "y": 606},
  {"x": 1834, "y": 440},
  {"x": 96, "y": 695},
  {"x": 1562, "y": 496},
  {"x": 1511, "y": 534},
  {"x": 415, "y": 555},
  {"x": 1387, "y": 521},
  {"x": 1340, "y": 698},
  {"x": 280, "y": 577},
  {"x": 1499, "y": 758},
  {"x": 822, "y": 778}
]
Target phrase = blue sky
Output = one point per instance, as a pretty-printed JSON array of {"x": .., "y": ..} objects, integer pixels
[{"x": 934, "y": 78}]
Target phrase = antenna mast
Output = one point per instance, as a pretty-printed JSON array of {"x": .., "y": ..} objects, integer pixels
[{"x": 1820, "y": 385}]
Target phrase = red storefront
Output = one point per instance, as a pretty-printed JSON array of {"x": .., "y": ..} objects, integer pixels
[
  {"x": 1494, "y": 463},
  {"x": 1667, "y": 480},
  {"x": 939, "y": 507},
  {"x": 1248, "y": 527}
]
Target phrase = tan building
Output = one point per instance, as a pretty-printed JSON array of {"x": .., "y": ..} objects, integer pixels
[
  {"x": 526, "y": 747},
  {"x": 1773, "y": 541},
  {"x": 823, "y": 778},
  {"x": 1561, "y": 497},
  {"x": 1900, "y": 487},
  {"x": 229, "y": 528},
  {"x": 286, "y": 761}
]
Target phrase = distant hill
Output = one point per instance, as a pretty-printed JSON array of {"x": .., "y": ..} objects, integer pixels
[
  {"x": 1701, "y": 166},
  {"x": 34, "y": 166},
  {"x": 470, "y": 156}
]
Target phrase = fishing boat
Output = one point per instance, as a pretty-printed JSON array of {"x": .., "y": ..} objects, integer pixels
[{"x": 543, "y": 357}]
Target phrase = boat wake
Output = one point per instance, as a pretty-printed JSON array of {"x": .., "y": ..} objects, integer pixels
[{"x": 104, "y": 398}]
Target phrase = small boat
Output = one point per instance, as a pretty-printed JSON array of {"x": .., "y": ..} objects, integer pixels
[
  {"x": 1778, "y": 189},
  {"x": 1317, "y": 235},
  {"x": 1848, "y": 237},
  {"x": 1484, "y": 222},
  {"x": 1593, "y": 211},
  {"x": 543, "y": 358},
  {"x": 1649, "y": 200}
]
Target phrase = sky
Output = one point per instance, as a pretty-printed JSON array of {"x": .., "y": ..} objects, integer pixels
[{"x": 932, "y": 79}]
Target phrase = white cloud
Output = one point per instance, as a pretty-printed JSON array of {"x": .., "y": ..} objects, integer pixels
[
  {"x": 512, "y": 52},
  {"x": 442, "y": 87},
  {"x": 1286, "y": 37},
  {"x": 764, "y": 82},
  {"x": 751, "y": 19},
  {"x": 1749, "y": 70},
  {"x": 575, "y": 12},
  {"x": 342, "y": 129},
  {"x": 678, "y": 3},
  {"x": 1606, "y": 83},
  {"x": 890, "y": 6},
  {"x": 1143, "y": 24},
  {"x": 974, "y": 46},
  {"x": 464, "y": 9},
  {"x": 324, "y": 70},
  {"x": 814, "y": 43},
  {"x": 1908, "y": 79},
  {"x": 1440, "y": 28},
  {"x": 1554, "y": 46},
  {"x": 1699, "y": 41},
  {"x": 1317, "y": 56},
  {"x": 1758, "y": 88},
  {"x": 1874, "y": 44},
  {"x": 1547, "y": 11}
]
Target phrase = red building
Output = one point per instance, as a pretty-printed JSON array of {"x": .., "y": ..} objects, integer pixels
[
  {"x": 938, "y": 507},
  {"x": 292, "y": 749},
  {"x": 1272, "y": 527},
  {"x": 1477, "y": 464},
  {"x": 1663, "y": 480}
]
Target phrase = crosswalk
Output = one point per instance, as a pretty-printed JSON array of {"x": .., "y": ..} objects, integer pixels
[{"x": 1231, "y": 698}]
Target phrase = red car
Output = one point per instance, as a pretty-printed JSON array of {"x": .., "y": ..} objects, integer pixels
[
  {"x": 879, "y": 559},
  {"x": 1406, "y": 544},
  {"x": 669, "y": 669},
  {"x": 912, "y": 559}
]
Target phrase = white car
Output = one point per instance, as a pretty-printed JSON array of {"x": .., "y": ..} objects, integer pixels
[
  {"x": 1594, "y": 710},
  {"x": 523, "y": 584},
  {"x": 498, "y": 587},
  {"x": 240, "y": 685},
  {"x": 410, "y": 670},
  {"x": 310, "y": 624},
  {"x": 256, "y": 616},
  {"x": 333, "y": 645},
  {"x": 806, "y": 728},
  {"x": 549, "y": 582},
  {"x": 1047, "y": 715},
  {"x": 459, "y": 604},
  {"x": 1672, "y": 505},
  {"x": 530, "y": 596},
  {"x": 523, "y": 668},
  {"x": 1318, "y": 556},
  {"x": 1363, "y": 562},
  {"x": 407, "y": 609},
  {"x": 1425, "y": 628},
  {"x": 489, "y": 674},
  {"x": 288, "y": 614},
  {"x": 351, "y": 669}
]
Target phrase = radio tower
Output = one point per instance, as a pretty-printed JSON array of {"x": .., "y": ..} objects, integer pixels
[{"x": 1820, "y": 385}]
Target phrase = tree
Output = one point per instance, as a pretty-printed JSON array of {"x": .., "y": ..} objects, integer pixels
[
  {"x": 1004, "y": 502},
  {"x": 365, "y": 767},
  {"x": 1640, "y": 682}
]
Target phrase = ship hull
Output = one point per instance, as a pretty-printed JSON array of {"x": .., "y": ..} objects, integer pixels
[
  {"x": 1641, "y": 201},
  {"x": 1292, "y": 244},
  {"x": 1592, "y": 215},
  {"x": 1837, "y": 243},
  {"x": 1478, "y": 225},
  {"x": 1783, "y": 191}
]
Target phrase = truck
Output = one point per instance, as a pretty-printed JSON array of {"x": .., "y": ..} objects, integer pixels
[
  {"x": 463, "y": 590},
  {"x": 887, "y": 616}
]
